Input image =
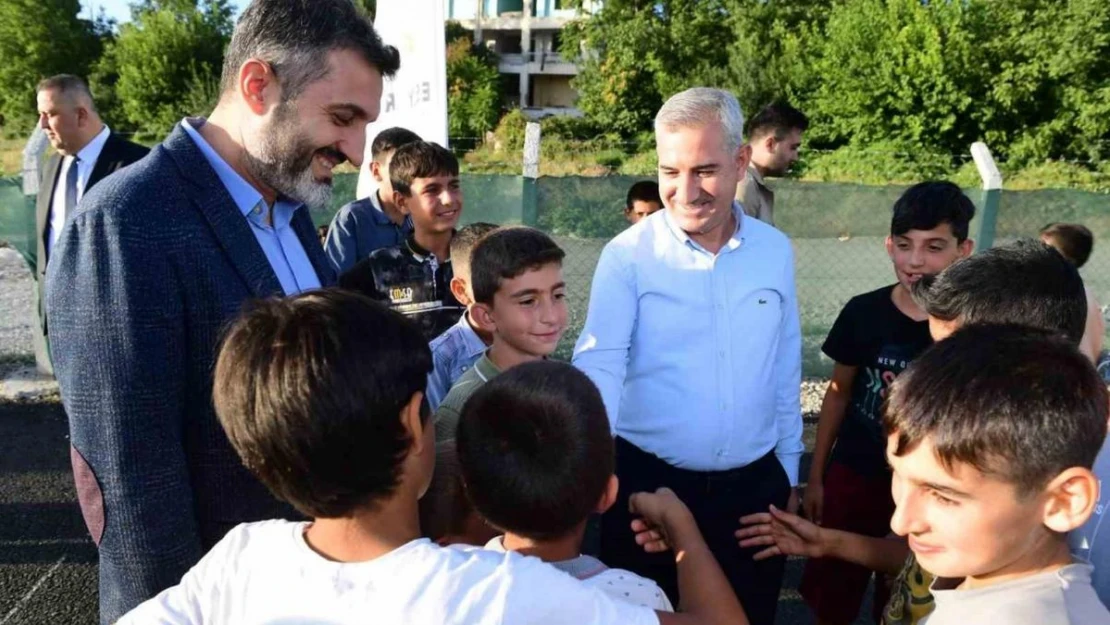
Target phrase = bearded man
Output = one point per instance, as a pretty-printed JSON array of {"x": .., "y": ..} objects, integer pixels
[{"x": 156, "y": 261}]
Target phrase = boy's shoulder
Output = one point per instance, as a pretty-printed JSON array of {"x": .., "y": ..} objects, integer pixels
[
  {"x": 631, "y": 588},
  {"x": 1063, "y": 596},
  {"x": 872, "y": 300}
]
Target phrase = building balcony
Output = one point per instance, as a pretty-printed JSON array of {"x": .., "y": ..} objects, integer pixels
[
  {"x": 543, "y": 63},
  {"x": 514, "y": 20}
]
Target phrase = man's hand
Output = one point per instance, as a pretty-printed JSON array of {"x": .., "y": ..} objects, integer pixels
[
  {"x": 783, "y": 534},
  {"x": 814, "y": 502},
  {"x": 663, "y": 517}
]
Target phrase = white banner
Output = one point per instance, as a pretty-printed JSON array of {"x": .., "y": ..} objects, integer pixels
[{"x": 416, "y": 98}]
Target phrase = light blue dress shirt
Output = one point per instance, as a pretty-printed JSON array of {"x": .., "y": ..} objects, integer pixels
[
  {"x": 453, "y": 352},
  {"x": 698, "y": 355},
  {"x": 279, "y": 241}
]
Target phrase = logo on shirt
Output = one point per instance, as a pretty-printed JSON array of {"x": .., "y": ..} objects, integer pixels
[
  {"x": 762, "y": 301},
  {"x": 400, "y": 295}
]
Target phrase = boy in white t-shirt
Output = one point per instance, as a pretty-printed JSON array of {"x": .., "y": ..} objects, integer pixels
[
  {"x": 332, "y": 419},
  {"x": 536, "y": 457}
]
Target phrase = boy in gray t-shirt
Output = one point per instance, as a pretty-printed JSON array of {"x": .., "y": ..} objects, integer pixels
[{"x": 991, "y": 435}]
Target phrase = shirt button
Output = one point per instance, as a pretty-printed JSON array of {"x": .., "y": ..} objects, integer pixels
[
  {"x": 721, "y": 353},
  {"x": 258, "y": 209}
]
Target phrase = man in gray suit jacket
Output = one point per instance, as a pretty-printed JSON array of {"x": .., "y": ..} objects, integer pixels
[
  {"x": 159, "y": 258},
  {"x": 86, "y": 152}
]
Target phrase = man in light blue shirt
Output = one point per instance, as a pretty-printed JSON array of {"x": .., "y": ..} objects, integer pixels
[{"x": 694, "y": 340}]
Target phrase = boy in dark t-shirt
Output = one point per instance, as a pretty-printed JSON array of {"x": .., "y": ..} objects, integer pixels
[
  {"x": 874, "y": 338},
  {"x": 414, "y": 277}
]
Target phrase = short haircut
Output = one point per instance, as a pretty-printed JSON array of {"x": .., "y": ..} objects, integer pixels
[
  {"x": 535, "y": 449},
  {"x": 1025, "y": 282},
  {"x": 389, "y": 140},
  {"x": 643, "y": 191},
  {"x": 71, "y": 87},
  {"x": 420, "y": 159},
  {"x": 311, "y": 401},
  {"x": 778, "y": 118},
  {"x": 1017, "y": 403},
  {"x": 507, "y": 253},
  {"x": 1074, "y": 241},
  {"x": 296, "y": 36},
  {"x": 927, "y": 205},
  {"x": 696, "y": 107},
  {"x": 462, "y": 245}
]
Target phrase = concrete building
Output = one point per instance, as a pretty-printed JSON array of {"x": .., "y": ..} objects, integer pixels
[{"x": 526, "y": 36}]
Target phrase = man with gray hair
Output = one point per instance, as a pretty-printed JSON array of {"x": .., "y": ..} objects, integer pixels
[
  {"x": 694, "y": 340},
  {"x": 86, "y": 151},
  {"x": 159, "y": 258}
]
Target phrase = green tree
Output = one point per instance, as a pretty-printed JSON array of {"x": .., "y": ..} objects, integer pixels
[
  {"x": 165, "y": 63},
  {"x": 473, "y": 85},
  {"x": 368, "y": 6},
  {"x": 40, "y": 38}
]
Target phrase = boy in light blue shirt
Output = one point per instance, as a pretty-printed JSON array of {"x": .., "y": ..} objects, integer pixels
[{"x": 461, "y": 345}]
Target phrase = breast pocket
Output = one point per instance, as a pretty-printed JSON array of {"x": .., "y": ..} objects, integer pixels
[{"x": 761, "y": 309}]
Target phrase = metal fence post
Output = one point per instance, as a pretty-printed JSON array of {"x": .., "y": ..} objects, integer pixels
[
  {"x": 992, "y": 194},
  {"x": 529, "y": 211}
]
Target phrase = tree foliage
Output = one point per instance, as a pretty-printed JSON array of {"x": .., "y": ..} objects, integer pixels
[
  {"x": 166, "y": 62},
  {"x": 40, "y": 38},
  {"x": 1030, "y": 77},
  {"x": 473, "y": 85}
]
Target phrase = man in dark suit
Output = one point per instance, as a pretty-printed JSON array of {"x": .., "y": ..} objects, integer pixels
[
  {"x": 159, "y": 258},
  {"x": 87, "y": 151}
]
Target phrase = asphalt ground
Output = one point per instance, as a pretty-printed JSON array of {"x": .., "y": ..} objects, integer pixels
[{"x": 47, "y": 561}]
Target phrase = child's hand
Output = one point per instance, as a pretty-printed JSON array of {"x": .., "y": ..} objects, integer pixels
[
  {"x": 784, "y": 533},
  {"x": 663, "y": 514}
]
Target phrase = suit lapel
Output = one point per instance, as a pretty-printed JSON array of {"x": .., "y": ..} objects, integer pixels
[
  {"x": 228, "y": 224},
  {"x": 43, "y": 203},
  {"x": 106, "y": 163},
  {"x": 306, "y": 232}
]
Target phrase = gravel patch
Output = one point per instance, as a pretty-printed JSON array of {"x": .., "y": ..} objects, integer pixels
[{"x": 17, "y": 308}]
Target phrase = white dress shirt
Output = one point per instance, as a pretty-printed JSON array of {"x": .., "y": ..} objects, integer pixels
[
  {"x": 698, "y": 355},
  {"x": 86, "y": 161}
]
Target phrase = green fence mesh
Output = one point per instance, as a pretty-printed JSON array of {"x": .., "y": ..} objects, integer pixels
[{"x": 837, "y": 231}]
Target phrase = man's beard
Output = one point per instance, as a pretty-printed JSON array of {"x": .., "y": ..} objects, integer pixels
[{"x": 283, "y": 161}]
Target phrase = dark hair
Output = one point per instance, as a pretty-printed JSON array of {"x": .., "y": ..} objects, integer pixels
[
  {"x": 779, "y": 118},
  {"x": 643, "y": 191},
  {"x": 296, "y": 36},
  {"x": 507, "y": 253},
  {"x": 1074, "y": 241},
  {"x": 1016, "y": 403},
  {"x": 1025, "y": 282},
  {"x": 311, "y": 400},
  {"x": 68, "y": 85},
  {"x": 389, "y": 140},
  {"x": 420, "y": 159},
  {"x": 444, "y": 508},
  {"x": 462, "y": 244},
  {"x": 535, "y": 449},
  {"x": 927, "y": 205}
]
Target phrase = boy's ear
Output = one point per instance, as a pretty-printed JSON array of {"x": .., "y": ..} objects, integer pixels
[
  {"x": 400, "y": 200},
  {"x": 889, "y": 242},
  {"x": 966, "y": 248},
  {"x": 609, "y": 497},
  {"x": 376, "y": 171},
  {"x": 482, "y": 315},
  {"x": 459, "y": 290},
  {"x": 412, "y": 416},
  {"x": 1072, "y": 497}
]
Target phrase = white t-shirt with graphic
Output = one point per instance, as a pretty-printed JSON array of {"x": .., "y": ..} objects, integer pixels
[
  {"x": 265, "y": 573},
  {"x": 617, "y": 583}
]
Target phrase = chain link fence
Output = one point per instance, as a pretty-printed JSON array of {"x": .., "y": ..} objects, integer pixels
[{"x": 837, "y": 231}]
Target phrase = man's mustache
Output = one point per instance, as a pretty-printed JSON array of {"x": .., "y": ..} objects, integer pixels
[{"x": 332, "y": 154}]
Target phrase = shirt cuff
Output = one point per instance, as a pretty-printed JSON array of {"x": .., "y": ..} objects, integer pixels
[{"x": 790, "y": 462}]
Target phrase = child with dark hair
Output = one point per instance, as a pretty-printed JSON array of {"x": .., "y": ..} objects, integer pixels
[
  {"x": 456, "y": 350},
  {"x": 642, "y": 200},
  {"x": 516, "y": 276},
  {"x": 537, "y": 460},
  {"x": 873, "y": 339},
  {"x": 331, "y": 418},
  {"x": 1075, "y": 243},
  {"x": 361, "y": 227},
  {"x": 414, "y": 277},
  {"x": 991, "y": 436}
]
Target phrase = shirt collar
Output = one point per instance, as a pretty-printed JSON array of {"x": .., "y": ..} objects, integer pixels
[
  {"x": 242, "y": 193},
  {"x": 473, "y": 343},
  {"x": 418, "y": 251},
  {"x": 485, "y": 369},
  {"x": 756, "y": 176},
  {"x": 88, "y": 154},
  {"x": 684, "y": 238},
  {"x": 379, "y": 216}
]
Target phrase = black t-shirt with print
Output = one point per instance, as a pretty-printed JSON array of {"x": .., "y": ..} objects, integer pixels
[
  {"x": 410, "y": 280},
  {"x": 873, "y": 335}
]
